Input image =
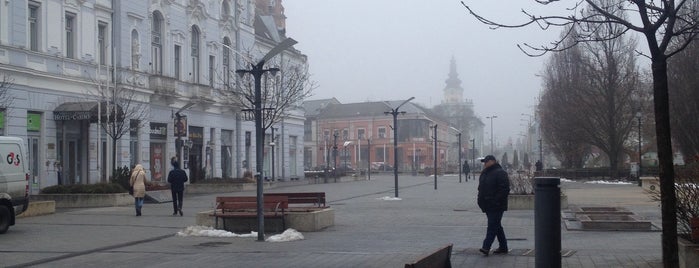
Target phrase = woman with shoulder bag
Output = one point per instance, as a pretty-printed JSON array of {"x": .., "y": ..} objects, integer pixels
[{"x": 138, "y": 184}]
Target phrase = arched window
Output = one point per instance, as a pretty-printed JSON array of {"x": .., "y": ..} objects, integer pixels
[
  {"x": 135, "y": 50},
  {"x": 195, "y": 54},
  {"x": 226, "y": 60},
  {"x": 156, "y": 43},
  {"x": 225, "y": 10}
]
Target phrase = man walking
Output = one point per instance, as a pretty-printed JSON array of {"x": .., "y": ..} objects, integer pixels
[
  {"x": 493, "y": 188},
  {"x": 177, "y": 178},
  {"x": 466, "y": 169}
]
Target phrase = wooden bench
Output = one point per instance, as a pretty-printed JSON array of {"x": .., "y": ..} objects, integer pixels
[
  {"x": 246, "y": 207},
  {"x": 440, "y": 258},
  {"x": 314, "y": 198}
]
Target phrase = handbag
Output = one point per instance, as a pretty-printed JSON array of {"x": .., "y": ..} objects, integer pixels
[{"x": 131, "y": 190}]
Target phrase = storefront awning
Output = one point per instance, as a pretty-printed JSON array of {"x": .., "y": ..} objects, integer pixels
[{"x": 70, "y": 111}]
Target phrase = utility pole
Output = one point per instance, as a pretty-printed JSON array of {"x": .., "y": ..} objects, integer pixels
[
  {"x": 458, "y": 135},
  {"x": 435, "y": 156}
]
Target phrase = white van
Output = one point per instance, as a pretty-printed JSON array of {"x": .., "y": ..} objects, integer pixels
[{"x": 14, "y": 181}]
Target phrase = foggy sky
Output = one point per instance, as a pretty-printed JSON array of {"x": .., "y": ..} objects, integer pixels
[{"x": 374, "y": 50}]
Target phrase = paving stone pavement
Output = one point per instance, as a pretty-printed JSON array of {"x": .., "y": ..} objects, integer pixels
[{"x": 368, "y": 231}]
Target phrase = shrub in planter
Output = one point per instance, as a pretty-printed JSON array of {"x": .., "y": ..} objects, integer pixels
[
  {"x": 99, "y": 188},
  {"x": 121, "y": 176},
  {"x": 687, "y": 191},
  {"x": 521, "y": 184}
]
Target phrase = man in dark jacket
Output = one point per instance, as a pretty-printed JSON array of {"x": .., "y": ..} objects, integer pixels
[
  {"x": 466, "y": 170},
  {"x": 177, "y": 178},
  {"x": 493, "y": 188}
]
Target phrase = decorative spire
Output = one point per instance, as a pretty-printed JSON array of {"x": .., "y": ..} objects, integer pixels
[{"x": 453, "y": 93}]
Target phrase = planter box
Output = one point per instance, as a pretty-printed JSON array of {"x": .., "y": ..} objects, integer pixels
[
  {"x": 688, "y": 253},
  {"x": 211, "y": 188},
  {"x": 86, "y": 200},
  {"x": 37, "y": 208},
  {"x": 311, "y": 220},
  {"x": 526, "y": 201}
]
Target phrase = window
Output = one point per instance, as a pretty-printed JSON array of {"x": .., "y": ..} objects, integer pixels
[
  {"x": 70, "y": 35},
  {"x": 156, "y": 43},
  {"x": 382, "y": 133},
  {"x": 360, "y": 133},
  {"x": 135, "y": 50},
  {"x": 326, "y": 134},
  {"x": 195, "y": 54},
  {"x": 345, "y": 134},
  {"x": 178, "y": 62},
  {"x": 33, "y": 18},
  {"x": 102, "y": 42},
  {"x": 212, "y": 61},
  {"x": 226, "y": 59},
  {"x": 225, "y": 10}
]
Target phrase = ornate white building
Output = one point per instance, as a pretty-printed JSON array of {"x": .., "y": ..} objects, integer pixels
[{"x": 73, "y": 63}]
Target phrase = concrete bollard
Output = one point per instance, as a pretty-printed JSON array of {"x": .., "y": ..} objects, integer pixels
[{"x": 547, "y": 222}]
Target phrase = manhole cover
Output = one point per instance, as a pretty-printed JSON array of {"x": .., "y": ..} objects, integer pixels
[{"x": 213, "y": 244}]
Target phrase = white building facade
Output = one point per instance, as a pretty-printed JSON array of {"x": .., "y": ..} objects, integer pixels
[{"x": 72, "y": 67}]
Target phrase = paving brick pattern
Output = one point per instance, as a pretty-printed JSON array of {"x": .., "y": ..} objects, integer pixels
[{"x": 368, "y": 232}]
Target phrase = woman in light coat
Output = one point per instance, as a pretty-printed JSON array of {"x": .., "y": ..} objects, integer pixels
[{"x": 138, "y": 182}]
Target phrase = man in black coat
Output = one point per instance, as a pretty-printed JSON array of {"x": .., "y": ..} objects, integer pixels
[
  {"x": 177, "y": 178},
  {"x": 493, "y": 188},
  {"x": 466, "y": 170}
]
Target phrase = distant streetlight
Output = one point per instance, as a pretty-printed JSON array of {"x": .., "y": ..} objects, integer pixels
[
  {"x": 257, "y": 70},
  {"x": 180, "y": 129},
  {"x": 458, "y": 136},
  {"x": 640, "y": 155},
  {"x": 492, "y": 147},
  {"x": 395, "y": 113}
]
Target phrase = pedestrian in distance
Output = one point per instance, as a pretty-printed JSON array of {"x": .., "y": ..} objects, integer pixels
[
  {"x": 138, "y": 183},
  {"x": 539, "y": 165},
  {"x": 466, "y": 169},
  {"x": 177, "y": 178},
  {"x": 493, "y": 189}
]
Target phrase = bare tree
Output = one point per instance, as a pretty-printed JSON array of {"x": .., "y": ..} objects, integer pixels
[
  {"x": 668, "y": 27},
  {"x": 121, "y": 110},
  {"x": 6, "y": 100},
  {"x": 558, "y": 110},
  {"x": 684, "y": 96},
  {"x": 280, "y": 93}
]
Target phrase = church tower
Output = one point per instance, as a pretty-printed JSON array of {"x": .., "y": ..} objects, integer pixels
[{"x": 453, "y": 92}]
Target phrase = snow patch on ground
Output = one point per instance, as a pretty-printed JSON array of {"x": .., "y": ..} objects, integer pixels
[
  {"x": 609, "y": 182},
  {"x": 388, "y": 198},
  {"x": 286, "y": 236},
  {"x": 206, "y": 231}
]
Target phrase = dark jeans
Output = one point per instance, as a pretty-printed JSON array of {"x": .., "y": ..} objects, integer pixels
[
  {"x": 494, "y": 230},
  {"x": 177, "y": 199}
]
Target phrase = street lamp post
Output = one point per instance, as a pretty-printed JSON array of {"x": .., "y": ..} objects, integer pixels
[
  {"x": 492, "y": 147},
  {"x": 458, "y": 136},
  {"x": 435, "y": 156},
  {"x": 257, "y": 70},
  {"x": 395, "y": 113},
  {"x": 473, "y": 154},
  {"x": 271, "y": 144}
]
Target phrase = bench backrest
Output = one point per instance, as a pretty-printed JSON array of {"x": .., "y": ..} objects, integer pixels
[
  {"x": 440, "y": 258},
  {"x": 317, "y": 198},
  {"x": 233, "y": 203}
]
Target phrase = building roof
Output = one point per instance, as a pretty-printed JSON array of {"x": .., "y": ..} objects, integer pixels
[{"x": 314, "y": 107}]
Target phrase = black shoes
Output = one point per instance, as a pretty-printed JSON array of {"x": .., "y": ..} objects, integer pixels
[
  {"x": 181, "y": 213},
  {"x": 484, "y": 251},
  {"x": 174, "y": 213},
  {"x": 501, "y": 251}
]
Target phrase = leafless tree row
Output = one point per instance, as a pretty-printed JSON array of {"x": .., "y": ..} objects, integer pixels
[{"x": 667, "y": 27}]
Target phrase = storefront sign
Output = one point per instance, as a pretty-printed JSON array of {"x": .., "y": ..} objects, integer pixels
[
  {"x": 180, "y": 126},
  {"x": 158, "y": 131},
  {"x": 196, "y": 135},
  {"x": 65, "y": 116}
]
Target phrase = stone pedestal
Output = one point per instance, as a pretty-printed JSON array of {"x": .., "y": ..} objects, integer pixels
[{"x": 302, "y": 220}]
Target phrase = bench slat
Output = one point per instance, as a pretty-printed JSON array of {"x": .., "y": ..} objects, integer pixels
[{"x": 439, "y": 258}]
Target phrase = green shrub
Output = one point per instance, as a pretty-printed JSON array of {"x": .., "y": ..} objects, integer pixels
[
  {"x": 121, "y": 176},
  {"x": 99, "y": 188}
]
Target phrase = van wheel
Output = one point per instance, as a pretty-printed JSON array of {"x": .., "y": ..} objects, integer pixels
[{"x": 4, "y": 219}]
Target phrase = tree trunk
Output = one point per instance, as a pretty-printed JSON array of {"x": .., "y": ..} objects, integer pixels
[{"x": 668, "y": 199}]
